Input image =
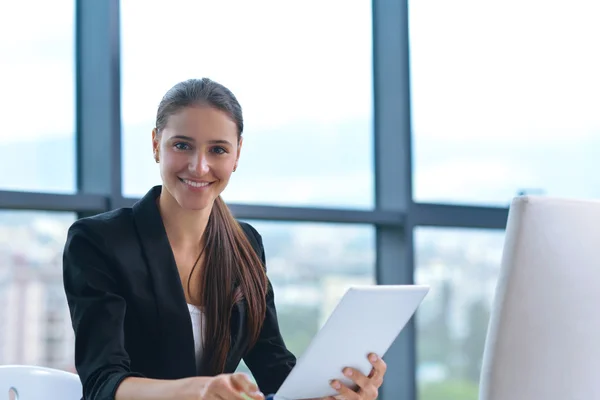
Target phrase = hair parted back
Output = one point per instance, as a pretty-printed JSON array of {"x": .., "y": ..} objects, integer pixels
[
  {"x": 199, "y": 92},
  {"x": 229, "y": 258}
]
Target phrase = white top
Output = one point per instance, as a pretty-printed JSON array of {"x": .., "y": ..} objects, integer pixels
[{"x": 198, "y": 321}]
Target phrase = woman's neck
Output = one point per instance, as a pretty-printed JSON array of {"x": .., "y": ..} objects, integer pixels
[{"x": 184, "y": 227}]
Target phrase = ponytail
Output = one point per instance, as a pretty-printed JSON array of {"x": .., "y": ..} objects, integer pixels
[
  {"x": 232, "y": 271},
  {"x": 229, "y": 261}
]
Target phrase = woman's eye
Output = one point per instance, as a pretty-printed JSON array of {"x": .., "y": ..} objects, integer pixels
[
  {"x": 181, "y": 146},
  {"x": 219, "y": 150}
]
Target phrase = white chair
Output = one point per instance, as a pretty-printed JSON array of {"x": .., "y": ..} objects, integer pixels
[
  {"x": 543, "y": 341},
  {"x": 37, "y": 383}
]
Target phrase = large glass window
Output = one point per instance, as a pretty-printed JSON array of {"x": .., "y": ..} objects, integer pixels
[
  {"x": 505, "y": 99},
  {"x": 37, "y": 144},
  {"x": 36, "y": 327},
  {"x": 311, "y": 265},
  {"x": 302, "y": 72},
  {"x": 462, "y": 267}
]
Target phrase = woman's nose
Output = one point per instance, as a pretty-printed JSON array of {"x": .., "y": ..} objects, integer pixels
[{"x": 199, "y": 164}]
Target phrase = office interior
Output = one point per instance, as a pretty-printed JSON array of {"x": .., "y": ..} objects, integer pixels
[{"x": 384, "y": 143}]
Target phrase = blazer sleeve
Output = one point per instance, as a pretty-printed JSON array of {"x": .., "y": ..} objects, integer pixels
[
  {"x": 97, "y": 312},
  {"x": 269, "y": 360}
]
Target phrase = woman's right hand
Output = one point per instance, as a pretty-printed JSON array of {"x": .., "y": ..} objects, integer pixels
[{"x": 225, "y": 387}]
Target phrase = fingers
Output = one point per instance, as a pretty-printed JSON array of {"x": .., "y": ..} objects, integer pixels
[
  {"x": 378, "y": 371},
  {"x": 378, "y": 364},
  {"x": 242, "y": 384},
  {"x": 368, "y": 385},
  {"x": 357, "y": 377},
  {"x": 345, "y": 391},
  {"x": 252, "y": 396},
  {"x": 241, "y": 381}
]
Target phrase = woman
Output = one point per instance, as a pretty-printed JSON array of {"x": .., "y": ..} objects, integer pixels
[{"x": 167, "y": 297}]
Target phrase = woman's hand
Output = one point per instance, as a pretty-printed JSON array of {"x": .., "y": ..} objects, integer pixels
[
  {"x": 368, "y": 386},
  {"x": 225, "y": 387}
]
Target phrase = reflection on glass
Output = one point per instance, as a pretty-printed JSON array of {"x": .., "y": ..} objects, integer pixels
[
  {"x": 36, "y": 328},
  {"x": 306, "y": 93},
  {"x": 37, "y": 104},
  {"x": 505, "y": 99},
  {"x": 311, "y": 265},
  {"x": 462, "y": 267}
]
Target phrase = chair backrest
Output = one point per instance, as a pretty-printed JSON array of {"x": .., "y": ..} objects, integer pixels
[
  {"x": 544, "y": 334},
  {"x": 33, "y": 383}
]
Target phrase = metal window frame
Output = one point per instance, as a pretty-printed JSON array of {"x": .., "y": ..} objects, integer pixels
[
  {"x": 311, "y": 214},
  {"x": 98, "y": 77},
  {"x": 99, "y": 167},
  {"x": 393, "y": 177},
  {"x": 418, "y": 214}
]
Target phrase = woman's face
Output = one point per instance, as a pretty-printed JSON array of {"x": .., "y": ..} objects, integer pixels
[{"x": 197, "y": 151}]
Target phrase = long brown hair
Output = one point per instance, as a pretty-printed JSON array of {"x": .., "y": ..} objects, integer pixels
[{"x": 232, "y": 271}]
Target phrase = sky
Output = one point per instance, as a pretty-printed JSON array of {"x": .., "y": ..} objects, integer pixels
[
  {"x": 505, "y": 97},
  {"x": 38, "y": 69},
  {"x": 505, "y": 94}
]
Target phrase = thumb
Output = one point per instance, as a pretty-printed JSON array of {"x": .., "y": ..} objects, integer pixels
[{"x": 242, "y": 383}]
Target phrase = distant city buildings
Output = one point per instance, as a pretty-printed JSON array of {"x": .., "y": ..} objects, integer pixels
[
  {"x": 36, "y": 328},
  {"x": 34, "y": 317}
]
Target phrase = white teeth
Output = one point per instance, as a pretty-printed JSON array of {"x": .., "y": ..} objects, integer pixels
[{"x": 196, "y": 184}]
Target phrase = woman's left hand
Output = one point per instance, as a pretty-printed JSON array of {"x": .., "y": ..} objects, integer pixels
[{"x": 368, "y": 386}]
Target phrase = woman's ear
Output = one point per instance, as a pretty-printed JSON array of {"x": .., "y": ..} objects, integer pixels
[
  {"x": 239, "y": 151},
  {"x": 155, "y": 144}
]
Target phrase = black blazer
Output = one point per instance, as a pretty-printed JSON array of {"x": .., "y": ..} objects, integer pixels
[{"x": 129, "y": 311}]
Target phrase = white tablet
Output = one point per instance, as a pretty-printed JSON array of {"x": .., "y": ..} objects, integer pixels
[{"x": 366, "y": 320}]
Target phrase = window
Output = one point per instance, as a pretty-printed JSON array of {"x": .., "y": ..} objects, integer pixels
[
  {"x": 310, "y": 266},
  {"x": 38, "y": 96},
  {"x": 505, "y": 100},
  {"x": 461, "y": 266},
  {"x": 36, "y": 328},
  {"x": 301, "y": 71}
]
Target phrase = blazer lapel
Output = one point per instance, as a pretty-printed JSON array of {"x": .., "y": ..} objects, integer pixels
[{"x": 174, "y": 323}]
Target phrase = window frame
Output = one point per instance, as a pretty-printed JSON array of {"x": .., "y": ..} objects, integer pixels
[{"x": 98, "y": 160}]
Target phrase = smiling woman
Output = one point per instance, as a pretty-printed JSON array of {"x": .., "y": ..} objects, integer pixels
[
  {"x": 197, "y": 140},
  {"x": 179, "y": 251}
]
